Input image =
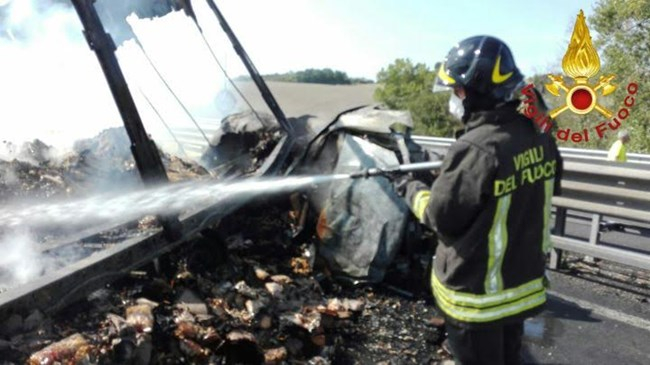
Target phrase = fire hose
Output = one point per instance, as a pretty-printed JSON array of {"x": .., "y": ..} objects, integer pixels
[{"x": 397, "y": 170}]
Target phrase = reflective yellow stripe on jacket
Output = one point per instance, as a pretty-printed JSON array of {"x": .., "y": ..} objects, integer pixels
[
  {"x": 497, "y": 244},
  {"x": 469, "y": 307},
  {"x": 546, "y": 233},
  {"x": 497, "y": 303}
]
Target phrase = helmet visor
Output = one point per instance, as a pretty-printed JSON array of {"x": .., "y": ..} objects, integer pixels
[{"x": 443, "y": 81}]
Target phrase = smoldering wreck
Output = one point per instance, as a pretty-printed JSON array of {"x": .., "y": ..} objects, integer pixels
[{"x": 307, "y": 272}]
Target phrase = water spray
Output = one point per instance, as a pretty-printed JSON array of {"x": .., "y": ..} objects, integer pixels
[
  {"x": 108, "y": 210},
  {"x": 176, "y": 198}
]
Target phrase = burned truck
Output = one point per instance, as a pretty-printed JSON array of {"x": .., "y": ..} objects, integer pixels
[{"x": 285, "y": 210}]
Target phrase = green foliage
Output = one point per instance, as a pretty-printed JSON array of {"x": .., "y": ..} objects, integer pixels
[
  {"x": 624, "y": 31},
  {"x": 621, "y": 29},
  {"x": 407, "y": 86}
]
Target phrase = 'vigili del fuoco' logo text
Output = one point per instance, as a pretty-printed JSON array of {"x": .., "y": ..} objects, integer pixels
[{"x": 580, "y": 63}]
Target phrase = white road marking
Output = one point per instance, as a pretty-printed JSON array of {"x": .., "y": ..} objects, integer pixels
[{"x": 605, "y": 312}]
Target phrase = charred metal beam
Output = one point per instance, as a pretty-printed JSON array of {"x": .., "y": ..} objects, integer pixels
[
  {"x": 145, "y": 152},
  {"x": 255, "y": 75}
]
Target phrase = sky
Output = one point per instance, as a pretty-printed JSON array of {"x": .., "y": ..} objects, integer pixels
[
  {"x": 52, "y": 88},
  {"x": 362, "y": 36}
]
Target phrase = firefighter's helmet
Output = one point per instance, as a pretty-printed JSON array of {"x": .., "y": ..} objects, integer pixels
[{"x": 483, "y": 64}]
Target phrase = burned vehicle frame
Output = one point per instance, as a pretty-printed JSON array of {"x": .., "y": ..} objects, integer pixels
[{"x": 336, "y": 214}]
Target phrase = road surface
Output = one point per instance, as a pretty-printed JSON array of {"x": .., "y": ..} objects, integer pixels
[{"x": 589, "y": 323}]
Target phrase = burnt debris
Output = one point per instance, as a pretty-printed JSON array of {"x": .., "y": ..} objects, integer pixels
[
  {"x": 235, "y": 298},
  {"x": 242, "y": 143},
  {"x": 251, "y": 290},
  {"x": 99, "y": 164}
]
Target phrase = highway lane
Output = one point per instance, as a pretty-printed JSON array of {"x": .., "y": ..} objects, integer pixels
[{"x": 589, "y": 323}]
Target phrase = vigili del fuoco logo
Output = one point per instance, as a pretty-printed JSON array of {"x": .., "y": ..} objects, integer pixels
[{"x": 581, "y": 63}]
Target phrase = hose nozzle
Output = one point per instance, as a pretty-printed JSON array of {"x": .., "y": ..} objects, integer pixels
[{"x": 396, "y": 170}]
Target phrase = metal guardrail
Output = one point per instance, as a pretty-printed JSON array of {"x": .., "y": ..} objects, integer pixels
[
  {"x": 569, "y": 154},
  {"x": 611, "y": 191},
  {"x": 598, "y": 188},
  {"x": 601, "y": 155}
]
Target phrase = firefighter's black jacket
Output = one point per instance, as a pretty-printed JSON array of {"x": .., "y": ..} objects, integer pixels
[{"x": 491, "y": 206}]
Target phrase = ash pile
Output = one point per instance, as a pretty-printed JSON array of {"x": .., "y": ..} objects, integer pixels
[
  {"x": 36, "y": 170},
  {"x": 236, "y": 296}
]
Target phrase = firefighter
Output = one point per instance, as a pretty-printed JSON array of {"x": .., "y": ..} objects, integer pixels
[
  {"x": 618, "y": 151},
  {"x": 490, "y": 206}
]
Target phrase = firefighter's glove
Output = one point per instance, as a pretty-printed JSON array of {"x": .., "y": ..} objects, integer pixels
[{"x": 417, "y": 196}]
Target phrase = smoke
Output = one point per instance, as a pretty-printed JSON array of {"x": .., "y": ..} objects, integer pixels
[
  {"x": 19, "y": 260},
  {"x": 171, "y": 47},
  {"x": 33, "y": 152},
  {"x": 22, "y": 261},
  {"x": 52, "y": 86},
  {"x": 53, "y": 90}
]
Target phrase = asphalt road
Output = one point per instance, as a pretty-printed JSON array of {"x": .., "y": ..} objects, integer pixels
[{"x": 589, "y": 323}]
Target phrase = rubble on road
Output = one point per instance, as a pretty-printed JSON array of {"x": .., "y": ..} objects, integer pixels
[
  {"x": 253, "y": 291},
  {"x": 73, "y": 349},
  {"x": 246, "y": 306}
]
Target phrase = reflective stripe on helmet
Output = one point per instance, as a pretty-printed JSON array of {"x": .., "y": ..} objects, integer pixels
[
  {"x": 444, "y": 76},
  {"x": 497, "y": 77}
]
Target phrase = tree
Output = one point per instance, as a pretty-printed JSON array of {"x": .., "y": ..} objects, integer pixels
[
  {"x": 322, "y": 76},
  {"x": 310, "y": 75},
  {"x": 623, "y": 28},
  {"x": 314, "y": 76},
  {"x": 407, "y": 86}
]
